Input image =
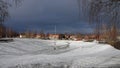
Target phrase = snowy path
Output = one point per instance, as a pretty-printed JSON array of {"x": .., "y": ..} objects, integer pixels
[{"x": 35, "y": 53}]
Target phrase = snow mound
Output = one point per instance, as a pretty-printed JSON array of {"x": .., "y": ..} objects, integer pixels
[{"x": 36, "y": 53}]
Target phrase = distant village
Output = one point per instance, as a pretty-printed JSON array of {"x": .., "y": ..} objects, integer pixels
[
  {"x": 9, "y": 33},
  {"x": 50, "y": 36}
]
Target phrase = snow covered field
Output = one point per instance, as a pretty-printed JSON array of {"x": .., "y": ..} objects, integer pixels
[{"x": 36, "y": 53}]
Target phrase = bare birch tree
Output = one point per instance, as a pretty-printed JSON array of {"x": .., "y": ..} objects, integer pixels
[{"x": 104, "y": 11}]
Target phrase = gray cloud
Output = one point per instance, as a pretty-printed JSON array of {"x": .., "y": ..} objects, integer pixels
[{"x": 44, "y": 14}]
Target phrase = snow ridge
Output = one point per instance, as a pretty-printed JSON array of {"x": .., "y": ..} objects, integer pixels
[{"x": 36, "y": 53}]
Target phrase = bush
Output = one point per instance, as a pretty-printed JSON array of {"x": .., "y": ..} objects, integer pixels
[
  {"x": 115, "y": 44},
  {"x": 102, "y": 42},
  {"x": 90, "y": 40}
]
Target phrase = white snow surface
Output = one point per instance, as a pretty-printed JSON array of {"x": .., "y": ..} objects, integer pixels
[{"x": 36, "y": 53}]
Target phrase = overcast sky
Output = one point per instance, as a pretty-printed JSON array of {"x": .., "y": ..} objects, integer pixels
[{"x": 36, "y": 15}]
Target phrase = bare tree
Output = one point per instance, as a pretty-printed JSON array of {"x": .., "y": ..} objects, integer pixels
[
  {"x": 104, "y": 11},
  {"x": 4, "y": 13}
]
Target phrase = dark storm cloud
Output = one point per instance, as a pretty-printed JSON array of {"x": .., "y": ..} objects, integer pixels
[{"x": 45, "y": 14}]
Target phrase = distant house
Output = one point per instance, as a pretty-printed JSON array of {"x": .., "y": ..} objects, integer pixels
[
  {"x": 22, "y": 36},
  {"x": 27, "y": 35},
  {"x": 54, "y": 36},
  {"x": 40, "y": 36},
  {"x": 73, "y": 37},
  {"x": 66, "y": 36}
]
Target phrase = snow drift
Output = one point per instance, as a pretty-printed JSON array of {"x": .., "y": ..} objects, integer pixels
[{"x": 36, "y": 53}]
